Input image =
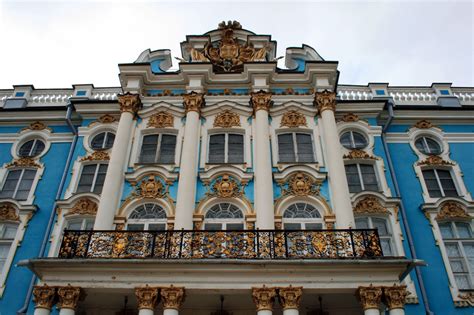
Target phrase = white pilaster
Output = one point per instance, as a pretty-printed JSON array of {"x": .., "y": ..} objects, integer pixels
[
  {"x": 372, "y": 311},
  {"x": 170, "y": 311},
  {"x": 42, "y": 311},
  {"x": 340, "y": 196},
  {"x": 67, "y": 311},
  {"x": 111, "y": 191},
  {"x": 264, "y": 312},
  {"x": 144, "y": 311},
  {"x": 291, "y": 312},
  {"x": 397, "y": 311}
]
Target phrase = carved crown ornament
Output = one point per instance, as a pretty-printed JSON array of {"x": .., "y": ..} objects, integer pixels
[
  {"x": 434, "y": 160},
  {"x": 172, "y": 297},
  {"x": 161, "y": 120},
  {"x": 37, "y": 125},
  {"x": 84, "y": 206},
  {"x": 466, "y": 299},
  {"x": 23, "y": 162},
  {"x": 261, "y": 100},
  {"x": 263, "y": 298},
  {"x": 227, "y": 119},
  {"x": 424, "y": 124},
  {"x": 193, "y": 102},
  {"x": 225, "y": 187},
  {"x": 358, "y": 154},
  {"x": 129, "y": 102},
  {"x": 68, "y": 297},
  {"x": 395, "y": 296},
  {"x": 325, "y": 100},
  {"x": 8, "y": 212},
  {"x": 229, "y": 54},
  {"x": 300, "y": 184},
  {"x": 293, "y": 119},
  {"x": 44, "y": 296},
  {"x": 147, "y": 297},
  {"x": 96, "y": 156},
  {"x": 107, "y": 119},
  {"x": 451, "y": 210},
  {"x": 350, "y": 117},
  {"x": 290, "y": 297},
  {"x": 369, "y": 297},
  {"x": 370, "y": 205}
]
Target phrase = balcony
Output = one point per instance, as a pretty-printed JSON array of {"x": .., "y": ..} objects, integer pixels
[{"x": 246, "y": 244}]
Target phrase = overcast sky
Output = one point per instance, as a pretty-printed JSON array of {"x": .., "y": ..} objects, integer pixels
[{"x": 57, "y": 44}]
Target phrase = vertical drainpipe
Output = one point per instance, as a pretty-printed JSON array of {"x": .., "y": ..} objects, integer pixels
[
  {"x": 403, "y": 215},
  {"x": 42, "y": 250}
]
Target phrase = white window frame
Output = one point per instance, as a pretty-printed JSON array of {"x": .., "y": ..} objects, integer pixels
[
  {"x": 302, "y": 221},
  {"x": 96, "y": 172},
  {"x": 379, "y": 184},
  {"x": 295, "y": 145},
  {"x": 158, "y": 147},
  {"x": 107, "y": 135},
  {"x": 32, "y": 187},
  {"x": 351, "y": 131},
  {"x": 146, "y": 222},
  {"x": 226, "y": 146},
  {"x": 224, "y": 221},
  {"x": 440, "y": 186},
  {"x": 388, "y": 224}
]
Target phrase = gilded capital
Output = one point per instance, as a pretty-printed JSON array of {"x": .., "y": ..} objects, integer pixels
[
  {"x": 68, "y": 297},
  {"x": 395, "y": 297},
  {"x": 261, "y": 100},
  {"x": 263, "y": 298},
  {"x": 147, "y": 297},
  {"x": 325, "y": 100},
  {"x": 369, "y": 297},
  {"x": 290, "y": 297},
  {"x": 172, "y": 297},
  {"x": 129, "y": 102},
  {"x": 43, "y": 296},
  {"x": 193, "y": 102}
]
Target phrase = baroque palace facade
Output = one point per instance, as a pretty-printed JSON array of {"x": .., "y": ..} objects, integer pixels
[{"x": 231, "y": 186}]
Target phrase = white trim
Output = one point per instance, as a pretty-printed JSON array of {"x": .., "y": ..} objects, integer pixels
[
  {"x": 76, "y": 171},
  {"x": 90, "y": 132}
]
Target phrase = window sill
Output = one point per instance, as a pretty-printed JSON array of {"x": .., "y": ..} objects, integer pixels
[
  {"x": 243, "y": 163},
  {"x": 154, "y": 163},
  {"x": 298, "y": 163}
]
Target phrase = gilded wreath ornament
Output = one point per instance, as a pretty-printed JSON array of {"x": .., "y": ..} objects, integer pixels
[
  {"x": 370, "y": 205},
  {"x": 8, "y": 212},
  {"x": 227, "y": 119},
  {"x": 96, "y": 156},
  {"x": 293, "y": 119},
  {"x": 434, "y": 160},
  {"x": 300, "y": 184},
  {"x": 84, "y": 206},
  {"x": 325, "y": 100},
  {"x": 161, "y": 120},
  {"x": 225, "y": 187},
  {"x": 452, "y": 210},
  {"x": 358, "y": 154},
  {"x": 23, "y": 162}
]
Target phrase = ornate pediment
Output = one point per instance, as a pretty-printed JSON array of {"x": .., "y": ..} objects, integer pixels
[
  {"x": 434, "y": 160},
  {"x": 225, "y": 187},
  {"x": 424, "y": 124},
  {"x": 358, "y": 154},
  {"x": 451, "y": 210},
  {"x": 107, "y": 119},
  {"x": 300, "y": 184},
  {"x": 227, "y": 119},
  {"x": 293, "y": 119},
  {"x": 351, "y": 117},
  {"x": 23, "y": 162},
  {"x": 151, "y": 187},
  {"x": 370, "y": 205},
  {"x": 160, "y": 120},
  {"x": 37, "y": 125},
  {"x": 97, "y": 156},
  {"x": 8, "y": 212},
  {"x": 84, "y": 206}
]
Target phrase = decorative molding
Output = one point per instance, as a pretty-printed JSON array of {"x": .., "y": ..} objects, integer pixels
[
  {"x": 43, "y": 296},
  {"x": 293, "y": 119},
  {"x": 172, "y": 297},
  {"x": 227, "y": 119},
  {"x": 263, "y": 298},
  {"x": 261, "y": 100},
  {"x": 150, "y": 188},
  {"x": 129, "y": 102},
  {"x": 161, "y": 120},
  {"x": 147, "y": 297},
  {"x": 84, "y": 206},
  {"x": 96, "y": 156},
  {"x": 466, "y": 299},
  {"x": 369, "y": 297},
  {"x": 193, "y": 102},
  {"x": 107, "y": 119},
  {"x": 424, "y": 124},
  {"x": 395, "y": 297},
  {"x": 300, "y": 184},
  {"x": 68, "y": 297},
  {"x": 37, "y": 125},
  {"x": 434, "y": 160},
  {"x": 23, "y": 162},
  {"x": 350, "y": 117},
  {"x": 226, "y": 187},
  {"x": 325, "y": 100},
  {"x": 370, "y": 205},
  {"x": 8, "y": 212},
  {"x": 451, "y": 210},
  {"x": 290, "y": 297},
  {"x": 358, "y": 154}
]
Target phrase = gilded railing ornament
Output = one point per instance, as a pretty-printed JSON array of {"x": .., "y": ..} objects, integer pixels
[
  {"x": 293, "y": 119},
  {"x": 434, "y": 160},
  {"x": 96, "y": 156},
  {"x": 37, "y": 125},
  {"x": 68, "y": 297},
  {"x": 147, "y": 297},
  {"x": 193, "y": 102},
  {"x": 452, "y": 210},
  {"x": 350, "y": 117},
  {"x": 161, "y": 120},
  {"x": 227, "y": 119},
  {"x": 369, "y": 297},
  {"x": 129, "y": 102},
  {"x": 300, "y": 184},
  {"x": 261, "y": 100},
  {"x": 172, "y": 297},
  {"x": 370, "y": 204},
  {"x": 290, "y": 297},
  {"x": 43, "y": 296},
  {"x": 8, "y": 212},
  {"x": 84, "y": 206},
  {"x": 358, "y": 154},
  {"x": 107, "y": 119},
  {"x": 424, "y": 124},
  {"x": 325, "y": 100},
  {"x": 395, "y": 297},
  {"x": 225, "y": 187},
  {"x": 263, "y": 298},
  {"x": 23, "y": 162}
]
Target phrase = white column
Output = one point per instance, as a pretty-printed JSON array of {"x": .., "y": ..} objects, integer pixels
[
  {"x": 340, "y": 197},
  {"x": 172, "y": 298},
  {"x": 370, "y": 298},
  {"x": 291, "y": 312},
  {"x": 112, "y": 190},
  {"x": 263, "y": 186},
  {"x": 290, "y": 298},
  {"x": 66, "y": 311},
  {"x": 263, "y": 299},
  {"x": 42, "y": 311},
  {"x": 395, "y": 298},
  {"x": 186, "y": 198},
  {"x": 145, "y": 311},
  {"x": 170, "y": 311},
  {"x": 264, "y": 312},
  {"x": 44, "y": 299},
  {"x": 371, "y": 311},
  {"x": 397, "y": 311}
]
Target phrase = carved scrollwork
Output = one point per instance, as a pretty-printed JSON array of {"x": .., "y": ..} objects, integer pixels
[
  {"x": 424, "y": 124},
  {"x": 369, "y": 297},
  {"x": 434, "y": 160},
  {"x": 8, "y": 212},
  {"x": 466, "y": 299},
  {"x": 370, "y": 205},
  {"x": 193, "y": 102},
  {"x": 350, "y": 117},
  {"x": 68, "y": 297},
  {"x": 129, "y": 102},
  {"x": 263, "y": 298},
  {"x": 43, "y": 296},
  {"x": 226, "y": 187},
  {"x": 84, "y": 206},
  {"x": 293, "y": 119},
  {"x": 147, "y": 297},
  {"x": 300, "y": 184},
  {"x": 151, "y": 188},
  {"x": 23, "y": 162},
  {"x": 395, "y": 297},
  {"x": 161, "y": 120},
  {"x": 358, "y": 154},
  {"x": 107, "y": 119},
  {"x": 290, "y": 297},
  {"x": 452, "y": 210},
  {"x": 227, "y": 119},
  {"x": 325, "y": 100},
  {"x": 37, "y": 125},
  {"x": 172, "y": 297},
  {"x": 261, "y": 100},
  {"x": 97, "y": 156}
]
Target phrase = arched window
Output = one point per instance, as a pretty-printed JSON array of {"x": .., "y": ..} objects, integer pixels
[
  {"x": 459, "y": 245},
  {"x": 158, "y": 148},
  {"x": 18, "y": 184},
  {"x": 226, "y": 148},
  {"x": 103, "y": 141},
  {"x": 302, "y": 216},
  {"x": 224, "y": 216},
  {"x": 7, "y": 235},
  {"x": 147, "y": 217},
  {"x": 295, "y": 148},
  {"x": 439, "y": 183},
  {"x": 361, "y": 176},
  {"x": 428, "y": 146},
  {"x": 353, "y": 140},
  {"x": 31, "y": 148},
  {"x": 384, "y": 230}
]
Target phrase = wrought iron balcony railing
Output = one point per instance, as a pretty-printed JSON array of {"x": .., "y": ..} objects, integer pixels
[{"x": 246, "y": 244}]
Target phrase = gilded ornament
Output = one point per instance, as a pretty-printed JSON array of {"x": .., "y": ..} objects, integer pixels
[
  {"x": 172, "y": 297},
  {"x": 43, "y": 296},
  {"x": 193, "y": 102},
  {"x": 452, "y": 210},
  {"x": 37, "y": 125},
  {"x": 84, "y": 206},
  {"x": 395, "y": 297},
  {"x": 325, "y": 100},
  {"x": 261, "y": 100},
  {"x": 161, "y": 120},
  {"x": 107, "y": 119},
  {"x": 119, "y": 245},
  {"x": 369, "y": 297},
  {"x": 358, "y": 154},
  {"x": 290, "y": 297},
  {"x": 68, "y": 297},
  {"x": 129, "y": 102},
  {"x": 466, "y": 299},
  {"x": 151, "y": 188},
  {"x": 97, "y": 156},
  {"x": 23, "y": 162},
  {"x": 227, "y": 119},
  {"x": 300, "y": 184},
  {"x": 293, "y": 119},
  {"x": 226, "y": 187},
  {"x": 8, "y": 212},
  {"x": 434, "y": 160},
  {"x": 351, "y": 117},
  {"x": 147, "y": 297},
  {"x": 263, "y": 298},
  {"x": 370, "y": 204},
  {"x": 424, "y": 124}
]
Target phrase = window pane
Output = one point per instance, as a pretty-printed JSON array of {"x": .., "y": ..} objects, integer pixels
[
  {"x": 369, "y": 177},
  {"x": 381, "y": 225},
  {"x": 217, "y": 149},
  {"x": 25, "y": 184},
  {"x": 109, "y": 141},
  {"x": 386, "y": 246},
  {"x": 148, "y": 151},
  {"x": 359, "y": 140},
  {"x": 452, "y": 250},
  {"x": 362, "y": 223},
  {"x": 292, "y": 226},
  {"x": 75, "y": 225},
  {"x": 38, "y": 148},
  {"x": 4, "y": 249},
  {"x": 457, "y": 266},
  {"x": 431, "y": 183},
  {"x": 313, "y": 226},
  {"x": 99, "y": 182},
  {"x": 346, "y": 140},
  {"x": 213, "y": 226},
  {"x": 286, "y": 152},
  {"x": 25, "y": 149},
  {"x": 469, "y": 249},
  {"x": 135, "y": 227},
  {"x": 433, "y": 146},
  {"x": 353, "y": 178},
  {"x": 156, "y": 227},
  {"x": 10, "y": 184},
  {"x": 462, "y": 282},
  {"x": 167, "y": 149},
  {"x": 234, "y": 226},
  {"x": 97, "y": 142},
  {"x": 464, "y": 230},
  {"x": 235, "y": 149},
  {"x": 446, "y": 230},
  {"x": 89, "y": 224},
  {"x": 447, "y": 183},
  {"x": 305, "y": 148},
  {"x": 9, "y": 231}
]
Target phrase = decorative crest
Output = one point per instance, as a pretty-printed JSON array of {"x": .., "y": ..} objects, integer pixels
[
  {"x": 325, "y": 100},
  {"x": 172, "y": 297},
  {"x": 84, "y": 206},
  {"x": 369, "y": 297},
  {"x": 452, "y": 210},
  {"x": 68, "y": 297},
  {"x": 160, "y": 120},
  {"x": 300, "y": 184},
  {"x": 261, "y": 100},
  {"x": 23, "y": 162},
  {"x": 395, "y": 297},
  {"x": 193, "y": 102},
  {"x": 350, "y": 117},
  {"x": 424, "y": 124},
  {"x": 107, "y": 119},
  {"x": 8, "y": 212},
  {"x": 434, "y": 160},
  {"x": 151, "y": 188},
  {"x": 97, "y": 156},
  {"x": 43, "y": 296},
  {"x": 263, "y": 298},
  {"x": 290, "y": 297},
  {"x": 466, "y": 299},
  {"x": 226, "y": 187},
  {"x": 146, "y": 297},
  {"x": 358, "y": 154},
  {"x": 37, "y": 125},
  {"x": 227, "y": 119},
  {"x": 370, "y": 204},
  {"x": 293, "y": 119},
  {"x": 129, "y": 102}
]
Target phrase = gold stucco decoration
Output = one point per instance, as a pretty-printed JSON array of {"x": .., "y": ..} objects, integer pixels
[
  {"x": 43, "y": 296},
  {"x": 370, "y": 205},
  {"x": 151, "y": 188},
  {"x": 290, "y": 297},
  {"x": 293, "y": 119},
  {"x": 161, "y": 120},
  {"x": 8, "y": 212},
  {"x": 227, "y": 119},
  {"x": 424, "y": 124},
  {"x": 84, "y": 206},
  {"x": 452, "y": 210},
  {"x": 261, "y": 100},
  {"x": 350, "y": 117},
  {"x": 147, "y": 297},
  {"x": 107, "y": 119},
  {"x": 68, "y": 297},
  {"x": 96, "y": 156},
  {"x": 23, "y": 162},
  {"x": 466, "y": 299},
  {"x": 226, "y": 187},
  {"x": 300, "y": 184},
  {"x": 325, "y": 100},
  {"x": 434, "y": 160},
  {"x": 358, "y": 154},
  {"x": 129, "y": 102},
  {"x": 369, "y": 297},
  {"x": 193, "y": 102},
  {"x": 37, "y": 125},
  {"x": 263, "y": 298},
  {"x": 395, "y": 296},
  {"x": 172, "y": 297}
]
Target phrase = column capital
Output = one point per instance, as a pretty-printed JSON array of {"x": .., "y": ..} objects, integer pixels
[
  {"x": 369, "y": 297},
  {"x": 263, "y": 298},
  {"x": 261, "y": 100},
  {"x": 325, "y": 100},
  {"x": 193, "y": 102},
  {"x": 44, "y": 296},
  {"x": 129, "y": 102},
  {"x": 68, "y": 297},
  {"x": 147, "y": 297},
  {"x": 290, "y": 297},
  {"x": 172, "y": 297},
  {"x": 395, "y": 297}
]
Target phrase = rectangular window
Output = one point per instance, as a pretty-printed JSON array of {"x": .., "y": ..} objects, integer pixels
[
  {"x": 158, "y": 148},
  {"x": 92, "y": 178},
  {"x": 226, "y": 148},
  {"x": 7, "y": 235},
  {"x": 295, "y": 148},
  {"x": 361, "y": 177},
  {"x": 440, "y": 183},
  {"x": 18, "y": 184}
]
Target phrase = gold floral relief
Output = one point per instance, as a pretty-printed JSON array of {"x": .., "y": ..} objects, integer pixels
[
  {"x": 193, "y": 102},
  {"x": 8, "y": 212},
  {"x": 370, "y": 205},
  {"x": 23, "y": 162},
  {"x": 226, "y": 187},
  {"x": 261, "y": 100},
  {"x": 451, "y": 210},
  {"x": 107, "y": 119},
  {"x": 293, "y": 119},
  {"x": 161, "y": 120},
  {"x": 129, "y": 102},
  {"x": 369, "y": 297},
  {"x": 300, "y": 184},
  {"x": 424, "y": 124},
  {"x": 227, "y": 119},
  {"x": 434, "y": 160},
  {"x": 325, "y": 100},
  {"x": 84, "y": 206},
  {"x": 96, "y": 156},
  {"x": 350, "y": 117},
  {"x": 37, "y": 125},
  {"x": 395, "y": 296},
  {"x": 358, "y": 154},
  {"x": 263, "y": 298}
]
